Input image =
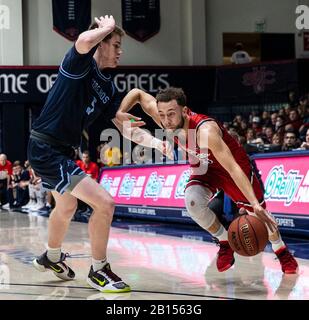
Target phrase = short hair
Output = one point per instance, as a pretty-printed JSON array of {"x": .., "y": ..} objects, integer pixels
[
  {"x": 117, "y": 30},
  {"x": 290, "y": 131},
  {"x": 172, "y": 93},
  {"x": 86, "y": 152},
  {"x": 16, "y": 163},
  {"x": 239, "y": 46}
]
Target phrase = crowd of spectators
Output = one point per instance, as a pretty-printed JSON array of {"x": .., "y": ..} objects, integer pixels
[{"x": 286, "y": 129}]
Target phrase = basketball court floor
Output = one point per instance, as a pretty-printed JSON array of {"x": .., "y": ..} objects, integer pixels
[{"x": 158, "y": 266}]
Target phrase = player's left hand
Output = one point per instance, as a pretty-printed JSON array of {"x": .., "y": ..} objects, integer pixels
[{"x": 263, "y": 215}]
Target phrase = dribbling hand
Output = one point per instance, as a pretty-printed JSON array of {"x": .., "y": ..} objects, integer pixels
[{"x": 263, "y": 215}]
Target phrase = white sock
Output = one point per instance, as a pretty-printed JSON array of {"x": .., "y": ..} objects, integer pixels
[
  {"x": 53, "y": 254},
  {"x": 98, "y": 264},
  {"x": 221, "y": 234},
  {"x": 278, "y": 244}
]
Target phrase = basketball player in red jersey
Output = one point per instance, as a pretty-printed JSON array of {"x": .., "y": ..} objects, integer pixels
[{"x": 217, "y": 162}]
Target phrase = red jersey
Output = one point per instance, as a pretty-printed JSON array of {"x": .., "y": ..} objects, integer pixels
[
  {"x": 207, "y": 171},
  {"x": 6, "y": 170},
  {"x": 91, "y": 169},
  {"x": 199, "y": 156}
]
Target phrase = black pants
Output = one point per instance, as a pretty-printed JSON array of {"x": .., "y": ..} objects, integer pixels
[
  {"x": 3, "y": 191},
  {"x": 22, "y": 197}
]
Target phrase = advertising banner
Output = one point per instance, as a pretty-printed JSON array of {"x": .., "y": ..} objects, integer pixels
[
  {"x": 159, "y": 186},
  {"x": 286, "y": 182}
]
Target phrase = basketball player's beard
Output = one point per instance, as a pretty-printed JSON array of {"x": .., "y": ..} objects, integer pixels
[
  {"x": 181, "y": 125},
  {"x": 171, "y": 133}
]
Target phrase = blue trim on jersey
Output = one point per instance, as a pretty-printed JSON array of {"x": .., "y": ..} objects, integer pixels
[
  {"x": 113, "y": 87},
  {"x": 99, "y": 72},
  {"x": 73, "y": 76},
  {"x": 62, "y": 177}
]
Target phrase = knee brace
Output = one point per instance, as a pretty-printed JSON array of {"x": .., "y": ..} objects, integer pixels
[{"x": 197, "y": 198}]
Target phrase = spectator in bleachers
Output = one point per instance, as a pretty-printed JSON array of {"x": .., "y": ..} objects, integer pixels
[
  {"x": 18, "y": 193},
  {"x": 243, "y": 127},
  {"x": 101, "y": 148},
  {"x": 305, "y": 125},
  {"x": 277, "y": 139},
  {"x": 88, "y": 166},
  {"x": 269, "y": 133},
  {"x": 240, "y": 56},
  {"x": 112, "y": 155},
  {"x": 294, "y": 119},
  {"x": 282, "y": 114},
  {"x": 290, "y": 141},
  {"x": 305, "y": 144},
  {"x": 287, "y": 110},
  {"x": 5, "y": 177},
  {"x": 250, "y": 135},
  {"x": 280, "y": 124},
  {"x": 273, "y": 119},
  {"x": 37, "y": 194},
  {"x": 256, "y": 124},
  {"x": 265, "y": 121},
  {"x": 142, "y": 155}
]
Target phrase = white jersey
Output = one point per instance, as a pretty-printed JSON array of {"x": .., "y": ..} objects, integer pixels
[{"x": 240, "y": 57}]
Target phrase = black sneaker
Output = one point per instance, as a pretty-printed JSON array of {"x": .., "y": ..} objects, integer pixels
[
  {"x": 60, "y": 269},
  {"x": 105, "y": 280}
]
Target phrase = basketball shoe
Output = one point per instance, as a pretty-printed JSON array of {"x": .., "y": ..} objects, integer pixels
[
  {"x": 106, "y": 281},
  {"x": 225, "y": 258},
  {"x": 60, "y": 268},
  {"x": 288, "y": 263}
]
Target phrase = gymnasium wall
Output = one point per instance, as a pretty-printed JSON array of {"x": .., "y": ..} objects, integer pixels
[
  {"x": 171, "y": 46},
  {"x": 240, "y": 16}
]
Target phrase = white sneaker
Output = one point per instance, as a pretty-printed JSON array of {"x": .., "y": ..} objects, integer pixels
[
  {"x": 106, "y": 281},
  {"x": 6, "y": 206},
  {"x": 35, "y": 207},
  {"x": 29, "y": 204}
]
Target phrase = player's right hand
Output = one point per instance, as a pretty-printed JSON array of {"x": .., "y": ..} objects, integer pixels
[
  {"x": 106, "y": 22},
  {"x": 134, "y": 121}
]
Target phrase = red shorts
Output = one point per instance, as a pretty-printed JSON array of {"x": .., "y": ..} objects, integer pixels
[{"x": 216, "y": 180}]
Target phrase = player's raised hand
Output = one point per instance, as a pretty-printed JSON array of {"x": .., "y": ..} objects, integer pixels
[{"x": 106, "y": 22}]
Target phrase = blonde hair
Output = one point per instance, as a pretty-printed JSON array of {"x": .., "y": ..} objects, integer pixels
[{"x": 119, "y": 31}]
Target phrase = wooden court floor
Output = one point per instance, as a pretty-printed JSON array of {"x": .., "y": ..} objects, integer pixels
[{"x": 157, "y": 267}]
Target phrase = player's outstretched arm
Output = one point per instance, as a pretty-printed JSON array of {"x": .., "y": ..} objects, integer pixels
[
  {"x": 90, "y": 38},
  {"x": 147, "y": 102},
  {"x": 209, "y": 136},
  {"x": 143, "y": 137}
]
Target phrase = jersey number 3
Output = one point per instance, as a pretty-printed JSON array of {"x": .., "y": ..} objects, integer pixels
[{"x": 91, "y": 108}]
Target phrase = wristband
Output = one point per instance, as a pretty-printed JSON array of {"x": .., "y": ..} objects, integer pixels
[{"x": 155, "y": 143}]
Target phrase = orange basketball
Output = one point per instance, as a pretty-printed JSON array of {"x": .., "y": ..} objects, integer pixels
[{"x": 247, "y": 235}]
